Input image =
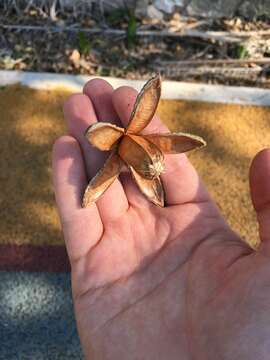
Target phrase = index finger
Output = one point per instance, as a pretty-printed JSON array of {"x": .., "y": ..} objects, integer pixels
[
  {"x": 80, "y": 114},
  {"x": 124, "y": 99}
]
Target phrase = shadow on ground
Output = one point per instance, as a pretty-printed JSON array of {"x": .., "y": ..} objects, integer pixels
[{"x": 30, "y": 122}]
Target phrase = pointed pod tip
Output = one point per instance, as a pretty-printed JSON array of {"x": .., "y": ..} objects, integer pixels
[
  {"x": 151, "y": 189},
  {"x": 157, "y": 76},
  {"x": 154, "y": 82},
  {"x": 86, "y": 202},
  {"x": 159, "y": 203},
  {"x": 203, "y": 143},
  {"x": 200, "y": 141},
  {"x": 157, "y": 79}
]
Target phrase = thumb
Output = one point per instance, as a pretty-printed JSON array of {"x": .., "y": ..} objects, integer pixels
[{"x": 260, "y": 192}]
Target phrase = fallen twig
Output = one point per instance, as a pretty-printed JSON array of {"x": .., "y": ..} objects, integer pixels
[
  {"x": 207, "y": 69},
  {"x": 252, "y": 75},
  {"x": 223, "y": 36},
  {"x": 217, "y": 62}
]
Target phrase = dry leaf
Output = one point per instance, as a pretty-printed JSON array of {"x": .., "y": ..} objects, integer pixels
[{"x": 75, "y": 56}]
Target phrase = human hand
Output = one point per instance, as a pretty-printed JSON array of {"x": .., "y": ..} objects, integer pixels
[{"x": 158, "y": 283}]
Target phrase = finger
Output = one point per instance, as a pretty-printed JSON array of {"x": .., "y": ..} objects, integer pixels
[
  {"x": 123, "y": 100},
  {"x": 69, "y": 179},
  {"x": 80, "y": 114},
  {"x": 134, "y": 195},
  {"x": 260, "y": 192},
  {"x": 100, "y": 94},
  {"x": 180, "y": 180}
]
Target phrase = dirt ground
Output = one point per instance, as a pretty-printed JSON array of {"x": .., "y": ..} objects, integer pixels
[
  {"x": 123, "y": 43},
  {"x": 31, "y": 120}
]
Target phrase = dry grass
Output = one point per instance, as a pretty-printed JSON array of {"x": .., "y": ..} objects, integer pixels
[{"x": 31, "y": 120}]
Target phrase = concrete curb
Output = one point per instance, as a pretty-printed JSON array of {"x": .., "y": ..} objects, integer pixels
[{"x": 173, "y": 90}]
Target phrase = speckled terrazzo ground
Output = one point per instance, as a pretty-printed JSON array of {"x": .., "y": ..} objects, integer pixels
[{"x": 36, "y": 317}]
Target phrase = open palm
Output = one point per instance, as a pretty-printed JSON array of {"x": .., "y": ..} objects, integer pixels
[{"x": 158, "y": 283}]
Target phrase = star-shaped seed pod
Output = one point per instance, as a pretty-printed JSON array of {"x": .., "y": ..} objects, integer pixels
[{"x": 142, "y": 154}]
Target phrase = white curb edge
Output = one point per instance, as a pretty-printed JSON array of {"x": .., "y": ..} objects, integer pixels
[{"x": 173, "y": 90}]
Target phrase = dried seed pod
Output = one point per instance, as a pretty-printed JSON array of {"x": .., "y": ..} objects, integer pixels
[
  {"x": 175, "y": 143},
  {"x": 142, "y": 154},
  {"x": 103, "y": 179},
  {"x": 103, "y": 135},
  {"x": 145, "y": 106},
  {"x": 151, "y": 188}
]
